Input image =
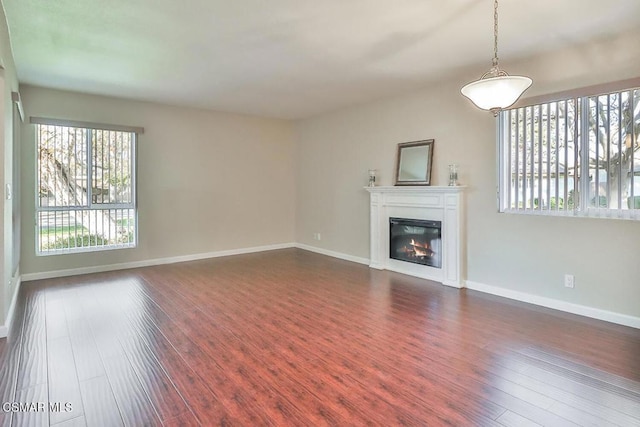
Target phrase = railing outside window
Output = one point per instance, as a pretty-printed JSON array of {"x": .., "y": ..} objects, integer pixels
[{"x": 85, "y": 189}]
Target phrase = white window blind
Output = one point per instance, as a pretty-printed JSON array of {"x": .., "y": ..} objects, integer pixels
[{"x": 578, "y": 156}]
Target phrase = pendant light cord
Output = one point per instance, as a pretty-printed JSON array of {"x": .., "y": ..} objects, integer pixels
[
  {"x": 495, "y": 33},
  {"x": 496, "y": 90}
]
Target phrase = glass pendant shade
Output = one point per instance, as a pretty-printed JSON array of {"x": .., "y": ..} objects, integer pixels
[
  {"x": 496, "y": 90},
  {"x": 496, "y": 93}
]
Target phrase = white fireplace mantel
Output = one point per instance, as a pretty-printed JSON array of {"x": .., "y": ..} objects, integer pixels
[{"x": 443, "y": 204}]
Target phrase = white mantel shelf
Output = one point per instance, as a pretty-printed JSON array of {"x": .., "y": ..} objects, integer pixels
[
  {"x": 443, "y": 204},
  {"x": 420, "y": 189}
]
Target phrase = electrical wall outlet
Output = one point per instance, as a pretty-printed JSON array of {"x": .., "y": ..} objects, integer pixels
[
  {"x": 317, "y": 236},
  {"x": 569, "y": 281}
]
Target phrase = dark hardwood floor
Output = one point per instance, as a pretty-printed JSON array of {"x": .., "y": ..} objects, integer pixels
[{"x": 294, "y": 338}]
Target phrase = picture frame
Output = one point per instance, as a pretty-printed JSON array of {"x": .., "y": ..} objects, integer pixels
[{"x": 413, "y": 162}]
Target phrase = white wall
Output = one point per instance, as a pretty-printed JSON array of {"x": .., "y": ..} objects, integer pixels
[
  {"x": 8, "y": 84},
  {"x": 207, "y": 181},
  {"x": 517, "y": 253},
  {"x": 213, "y": 181}
]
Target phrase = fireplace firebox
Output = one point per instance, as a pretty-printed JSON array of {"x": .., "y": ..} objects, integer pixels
[{"x": 416, "y": 241}]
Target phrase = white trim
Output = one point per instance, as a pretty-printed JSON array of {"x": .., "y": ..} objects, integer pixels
[
  {"x": 595, "y": 313},
  {"x": 15, "y": 97},
  {"x": 333, "y": 254},
  {"x": 88, "y": 125},
  {"x": 600, "y": 89},
  {"x": 150, "y": 262},
  {"x": 4, "y": 329},
  {"x": 443, "y": 204},
  {"x": 420, "y": 189},
  {"x": 582, "y": 310},
  {"x": 454, "y": 284}
]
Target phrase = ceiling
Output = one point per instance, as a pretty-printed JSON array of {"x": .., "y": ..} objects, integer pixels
[{"x": 285, "y": 58}]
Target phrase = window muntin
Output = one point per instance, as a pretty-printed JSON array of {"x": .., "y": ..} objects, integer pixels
[
  {"x": 577, "y": 156},
  {"x": 85, "y": 189}
]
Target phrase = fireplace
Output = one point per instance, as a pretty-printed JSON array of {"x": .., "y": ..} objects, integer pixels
[
  {"x": 416, "y": 241},
  {"x": 443, "y": 207}
]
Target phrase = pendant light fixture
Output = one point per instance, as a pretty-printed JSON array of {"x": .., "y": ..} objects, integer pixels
[{"x": 496, "y": 90}]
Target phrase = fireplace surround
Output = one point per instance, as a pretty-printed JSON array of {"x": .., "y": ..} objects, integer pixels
[{"x": 428, "y": 207}]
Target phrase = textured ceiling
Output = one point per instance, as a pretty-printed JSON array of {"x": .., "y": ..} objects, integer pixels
[{"x": 285, "y": 58}]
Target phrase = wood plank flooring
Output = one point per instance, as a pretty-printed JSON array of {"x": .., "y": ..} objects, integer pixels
[{"x": 294, "y": 338}]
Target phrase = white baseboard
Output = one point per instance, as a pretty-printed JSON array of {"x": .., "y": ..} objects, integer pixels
[
  {"x": 568, "y": 307},
  {"x": 150, "y": 262},
  {"x": 333, "y": 254},
  {"x": 582, "y": 310},
  {"x": 4, "y": 329}
]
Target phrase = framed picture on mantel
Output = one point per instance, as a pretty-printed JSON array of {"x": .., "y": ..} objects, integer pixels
[{"x": 413, "y": 163}]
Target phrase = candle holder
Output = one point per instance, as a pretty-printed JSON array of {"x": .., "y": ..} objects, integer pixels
[
  {"x": 453, "y": 175},
  {"x": 372, "y": 177}
]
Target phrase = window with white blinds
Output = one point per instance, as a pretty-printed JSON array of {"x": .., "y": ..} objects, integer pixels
[
  {"x": 85, "y": 188},
  {"x": 577, "y": 157}
]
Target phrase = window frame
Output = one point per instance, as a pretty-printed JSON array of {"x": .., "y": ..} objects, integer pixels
[
  {"x": 581, "y": 139},
  {"x": 89, "y": 128}
]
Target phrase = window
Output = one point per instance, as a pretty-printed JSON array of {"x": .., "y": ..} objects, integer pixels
[
  {"x": 85, "y": 187},
  {"x": 578, "y": 156}
]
